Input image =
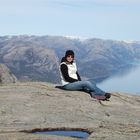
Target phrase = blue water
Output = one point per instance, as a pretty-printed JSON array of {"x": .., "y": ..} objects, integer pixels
[
  {"x": 126, "y": 80},
  {"x": 77, "y": 134}
]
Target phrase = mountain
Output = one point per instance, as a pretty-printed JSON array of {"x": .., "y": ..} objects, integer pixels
[
  {"x": 28, "y": 60},
  {"x": 37, "y": 58}
]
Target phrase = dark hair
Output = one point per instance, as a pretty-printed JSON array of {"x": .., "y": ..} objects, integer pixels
[
  {"x": 63, "y": 59},
  {"x": 69, "y": 52}
]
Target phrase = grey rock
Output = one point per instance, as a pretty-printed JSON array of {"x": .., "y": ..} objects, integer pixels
[
  {"x": 6, "y": 76},
  {"x": 27, "y": 106}
]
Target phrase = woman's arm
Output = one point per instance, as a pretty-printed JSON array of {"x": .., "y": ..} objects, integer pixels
[
  {"x": 79, "y": 78},
  {"x": 64, "y": 71}
]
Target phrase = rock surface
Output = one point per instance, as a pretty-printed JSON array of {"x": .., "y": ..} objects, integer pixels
[
  {"x": 27, "y": 106},
  {"x": 6, "y": 76}
]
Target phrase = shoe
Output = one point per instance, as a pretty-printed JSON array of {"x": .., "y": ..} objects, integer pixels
[
  {"x": 107, "y": 95},
  {"x": 100, "y": 97}
]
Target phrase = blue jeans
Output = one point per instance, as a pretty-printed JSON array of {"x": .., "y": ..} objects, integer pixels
[{"x": 86, "y": 86}]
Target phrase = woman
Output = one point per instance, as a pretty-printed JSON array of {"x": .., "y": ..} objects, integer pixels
[{"x": 71, "y": 79}]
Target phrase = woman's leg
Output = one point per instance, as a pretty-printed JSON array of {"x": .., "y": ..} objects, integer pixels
[
  {"x": 85, "y": 85},
  {"x": 79, "y": 85}
]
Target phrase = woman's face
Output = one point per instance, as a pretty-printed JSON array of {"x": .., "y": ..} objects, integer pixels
[{"x": 70, "y": 58}]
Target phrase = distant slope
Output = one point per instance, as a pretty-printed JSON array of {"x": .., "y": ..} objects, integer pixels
[{"x": 37, "y": 58}]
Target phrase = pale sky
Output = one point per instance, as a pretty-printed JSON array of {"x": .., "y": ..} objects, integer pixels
[{"x": 106, "y": 19}]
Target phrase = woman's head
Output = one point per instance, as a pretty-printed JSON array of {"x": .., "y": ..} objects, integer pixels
[{"x": 69, "y": 56}]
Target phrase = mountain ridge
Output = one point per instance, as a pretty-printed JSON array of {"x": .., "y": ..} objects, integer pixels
[{"x": 37, "y": 58}]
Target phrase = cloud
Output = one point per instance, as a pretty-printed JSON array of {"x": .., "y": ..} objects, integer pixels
[
  {"x": 24, "y": 7},
  {"x": 117, "y": 2},
  {"x": 78, "y": 3},
  {"x": 67, "y": 3}
]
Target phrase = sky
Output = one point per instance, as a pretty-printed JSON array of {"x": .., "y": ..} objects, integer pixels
[{"x": 106, "y": 19}]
